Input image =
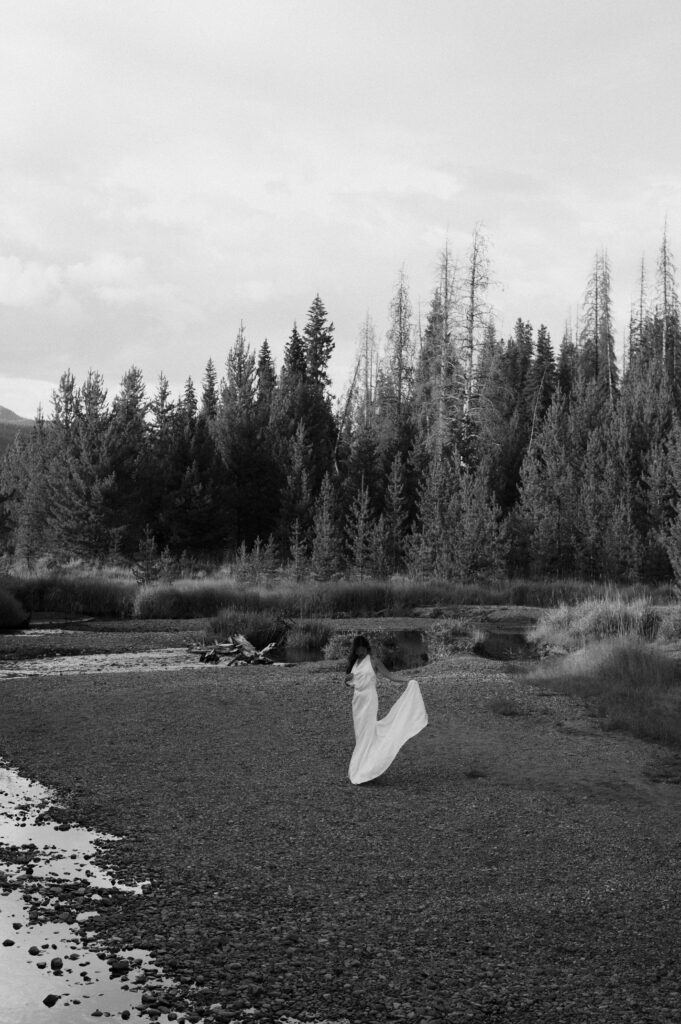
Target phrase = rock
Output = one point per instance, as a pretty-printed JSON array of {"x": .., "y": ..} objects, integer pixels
[
  {"x": 8, "y": 942},
  {"x": 34, "y": 951},
  {"x": 51, "y": 1000},
  {"x": 56, "y": 963}
]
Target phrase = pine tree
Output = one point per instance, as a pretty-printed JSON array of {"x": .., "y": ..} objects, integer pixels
[
  {"x": 209, "y": 396},
  {"x": 266, "y": 379},
  {"x": 547, "y": 509},
  {"x": 439, "y": 382},
  {"x": 359, "y": 532},
  {"x": 365, "y": 410},
  {"x": 672, "y": 533},
  {"x": 327, "y": 546},
  {"x": 667, "y": 320},
  {"x": 379, "y": 556},
  {"x": 24, "y": 482},
  {"x": 640, "y": 326},
  {"x": 243, "y": 442},
  {"x": 396, "y": 516},
  {"x": 540, "y": 384},
  {"x": 298, "y": 551},
  {"x": 400, "y": 352},
  {"x": 429, "y": 546},
  {"x": 129, "y": 445},
  {"x": 296, "y": 504},
  {"x": 567, "y": 368},
  {"x": 476, "y": 311},
  {"x": 83, "y": 492},
  {"x": 480, "y": 547},
  {"x": 318, "y": 345},
  {"x": 317, "y": 413},
  {"x": 597, "y": 343}
]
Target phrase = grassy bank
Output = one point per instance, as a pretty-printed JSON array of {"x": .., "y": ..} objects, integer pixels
[
  {"x": 632, "y": 686},
  {"x": 610, "y": 659}
]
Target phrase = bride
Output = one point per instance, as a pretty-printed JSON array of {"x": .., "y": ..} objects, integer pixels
[{"x": 377, "y": 743}]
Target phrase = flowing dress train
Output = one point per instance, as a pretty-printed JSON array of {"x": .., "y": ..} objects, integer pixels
[{"x": 377, "y": 743}]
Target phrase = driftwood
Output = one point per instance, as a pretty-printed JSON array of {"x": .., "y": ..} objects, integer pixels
[{"x": 237, "y": 649}]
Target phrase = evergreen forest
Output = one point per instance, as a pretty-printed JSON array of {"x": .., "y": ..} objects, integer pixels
[{"x": 452, "y": 454}]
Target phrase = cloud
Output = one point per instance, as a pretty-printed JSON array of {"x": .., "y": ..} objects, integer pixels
[
  {"x": 28, "y": 283},
  {"x": 112, "y": 278}
]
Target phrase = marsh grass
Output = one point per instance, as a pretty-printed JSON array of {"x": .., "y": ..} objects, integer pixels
[
  {"x": 309, "y": 635},
  {"x": 570, "y": 627},
  {"x": 633, "y": 686},
  {"x": 75, "y": 594}
]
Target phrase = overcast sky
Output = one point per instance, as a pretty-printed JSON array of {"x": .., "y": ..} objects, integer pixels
[{"x": 171, "y": 168}]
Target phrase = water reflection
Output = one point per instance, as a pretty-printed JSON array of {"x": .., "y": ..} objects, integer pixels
[{"x": 48, "y": 969}]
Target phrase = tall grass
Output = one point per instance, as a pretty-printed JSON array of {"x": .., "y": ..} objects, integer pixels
[
  {"x": 308, "y": 635},
  {"x": 75, "y": 590},
  {"x": 569, "y": 627},
  {"x": 633, "y": 686},
  {"x": 357, "y": 599},
  {"x": 78, "y": 594}
]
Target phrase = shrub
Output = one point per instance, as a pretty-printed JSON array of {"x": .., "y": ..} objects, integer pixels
[{"x": 12, "y": 615}]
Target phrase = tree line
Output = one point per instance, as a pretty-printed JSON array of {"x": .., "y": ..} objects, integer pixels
[{"x": 453, "y": 453}]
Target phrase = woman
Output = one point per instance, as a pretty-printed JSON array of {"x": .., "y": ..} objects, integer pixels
[{"x": 377, "y": 743}]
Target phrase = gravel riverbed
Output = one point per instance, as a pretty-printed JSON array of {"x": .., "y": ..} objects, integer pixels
[{"x": 515, "y": 863}]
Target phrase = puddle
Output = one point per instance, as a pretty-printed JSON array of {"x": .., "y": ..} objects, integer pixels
[
  {"x": 49, "y": 889},
  {"x": 503, "y": 646}
]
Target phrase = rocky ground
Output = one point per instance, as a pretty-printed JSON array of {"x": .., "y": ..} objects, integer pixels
[{"x": 515, "y": 863}]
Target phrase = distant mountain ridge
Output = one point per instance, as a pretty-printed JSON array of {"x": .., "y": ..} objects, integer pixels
[
  {"x": 7, "y": 416},
  {"x": 10, "y": 426}
]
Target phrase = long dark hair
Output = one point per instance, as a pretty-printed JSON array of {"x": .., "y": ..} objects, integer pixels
[{"x": 359, "y": 641}]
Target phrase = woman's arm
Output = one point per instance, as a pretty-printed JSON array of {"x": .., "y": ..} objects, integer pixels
[{"x": 381, "y": 670}]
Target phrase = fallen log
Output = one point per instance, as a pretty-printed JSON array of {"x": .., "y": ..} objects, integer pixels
[{"x": 237, "y": 649}]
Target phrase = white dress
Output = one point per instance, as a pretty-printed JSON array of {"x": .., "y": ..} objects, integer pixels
[{"x": 377, "y": 743}]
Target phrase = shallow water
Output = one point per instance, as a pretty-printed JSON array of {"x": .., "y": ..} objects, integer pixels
[
  {"x": 37, "y": 857},
  {"x": 503, "y": 646},
  {"x": 127, "y": 661}
]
